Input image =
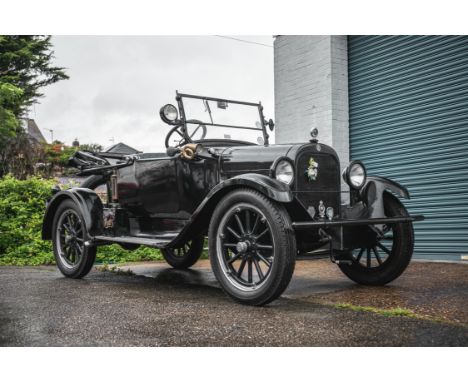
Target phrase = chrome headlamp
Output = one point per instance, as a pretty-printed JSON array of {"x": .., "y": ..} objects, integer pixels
[
  {"x": 169, "y": 113},
  {"x": 355, "y": 174},
  {"x": 284, "y": 171}
]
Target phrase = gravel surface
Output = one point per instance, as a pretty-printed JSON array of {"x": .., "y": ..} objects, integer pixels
[{"x": 39, "y": 307}]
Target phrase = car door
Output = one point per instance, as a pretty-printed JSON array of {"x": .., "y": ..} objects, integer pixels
[
  {"x": 157, "y": 186},
  {"x": 196, "y": 178}
]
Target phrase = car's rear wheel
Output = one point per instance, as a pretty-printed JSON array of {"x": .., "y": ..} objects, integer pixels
[
  {"x": 386, "y": 258},
  {"x": 252, "y": 247},
  {"x": 186, "y": 255},
  {"x": 73, "y": 257}
]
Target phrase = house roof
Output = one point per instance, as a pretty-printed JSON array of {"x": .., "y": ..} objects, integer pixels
[
  {"x": 33, "y": 130},
  {"x": 121, "y": 148}
]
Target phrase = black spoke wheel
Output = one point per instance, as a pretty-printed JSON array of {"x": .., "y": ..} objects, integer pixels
[
  {"x": 246, "y": 242},
  {"x": 186, "y": 255},
  {"x": 383, "y": 260},
  {"x": 252, "y": 248},
  {"x": 376, "y": 254},
  {"x": 74, "y": 258}
]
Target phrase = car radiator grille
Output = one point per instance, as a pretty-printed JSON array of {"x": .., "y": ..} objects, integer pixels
[{"x": 326, "y": 187}]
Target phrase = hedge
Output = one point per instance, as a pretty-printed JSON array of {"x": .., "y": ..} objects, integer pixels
[{"x": 22, "y": 206}]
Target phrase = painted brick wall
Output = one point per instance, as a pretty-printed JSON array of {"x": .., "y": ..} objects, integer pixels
[{"x": 311, "y": 90}]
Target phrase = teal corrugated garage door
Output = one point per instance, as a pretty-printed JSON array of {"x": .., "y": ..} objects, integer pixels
[{"x": 409, "y": 122}]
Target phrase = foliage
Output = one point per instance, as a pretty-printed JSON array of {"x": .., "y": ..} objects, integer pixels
[
  {"x": 391, "y": 312},
  {"x": 57, "y": 154},
  {"x": 10, "y": 97},
  {"x": 26, "y": 62},
  {"x": 21, "y": 157},
  {"x": 111, "y": 254},
  {"x": 25, "y": 67},
  {"x": 115, "y": 269},
  {"x": 91, "y": 147},
  {"x": 22, "y": 206}
]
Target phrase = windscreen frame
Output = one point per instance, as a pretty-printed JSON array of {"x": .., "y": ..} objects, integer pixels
[{"x": 183, "y": 119}]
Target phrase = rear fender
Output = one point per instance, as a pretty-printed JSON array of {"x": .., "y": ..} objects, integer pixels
[
  {"x": 87, "y": 201},
  {"x": 373, "y": 191}
]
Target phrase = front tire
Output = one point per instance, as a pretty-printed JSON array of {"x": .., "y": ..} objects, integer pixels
[
  {"x": 252, "y": 247},
  {"x": 387, "y": 258},
  {"x": 74, "y": 259}
]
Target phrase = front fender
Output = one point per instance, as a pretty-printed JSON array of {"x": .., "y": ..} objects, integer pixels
[
  {"x": 372, "y": 194},
  {"x": 87, "y": 201},
  {"x": 270, "y": 187}
]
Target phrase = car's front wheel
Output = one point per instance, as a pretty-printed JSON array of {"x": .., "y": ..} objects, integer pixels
[
  {"x": 252, "y": 247},
  {"x": 383, "y": 260},
  {"x": 73, "y": 257}
]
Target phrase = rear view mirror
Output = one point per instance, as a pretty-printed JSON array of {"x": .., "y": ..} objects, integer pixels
[{"x": 271, "y": 124}]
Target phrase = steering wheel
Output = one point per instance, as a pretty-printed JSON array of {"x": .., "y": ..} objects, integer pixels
[{"x": 180, "y": 137}]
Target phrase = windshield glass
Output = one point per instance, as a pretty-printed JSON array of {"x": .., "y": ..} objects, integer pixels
[{"x": 223, "y": 120}]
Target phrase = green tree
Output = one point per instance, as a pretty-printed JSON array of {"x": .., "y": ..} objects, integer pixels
[
  {"x": 26, "y": 62},
  {"x": 91, "y": 147},
  {"x": 10, "y": 98},
  {"x": 25, "y": 67}
]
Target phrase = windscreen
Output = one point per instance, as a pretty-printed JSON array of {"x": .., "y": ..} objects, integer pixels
[{"x": 223, "y": 120}]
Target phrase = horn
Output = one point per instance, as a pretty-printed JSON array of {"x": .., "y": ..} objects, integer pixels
[{"x": 190, "y": 150}]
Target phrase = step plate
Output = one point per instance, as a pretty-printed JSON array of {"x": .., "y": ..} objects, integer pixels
[{"x": 150, "y": 242}]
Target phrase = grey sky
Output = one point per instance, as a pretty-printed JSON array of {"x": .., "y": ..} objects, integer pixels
[{"x": 117, "y": 84}]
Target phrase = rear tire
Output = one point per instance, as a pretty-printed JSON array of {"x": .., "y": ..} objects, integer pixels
[
  {"x": 185, "y": 256},
  {"x": 382, "y": 264},
  {"x": 74, "y": 259},
  {"x": 252, "y": 247}
]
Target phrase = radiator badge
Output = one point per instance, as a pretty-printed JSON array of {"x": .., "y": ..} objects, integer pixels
[{"x": 312, "y": 170}]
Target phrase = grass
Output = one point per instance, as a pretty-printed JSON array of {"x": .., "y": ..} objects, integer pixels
[
  {"x": 115, "y": 269},
  {"x": 391, "y": 312}
]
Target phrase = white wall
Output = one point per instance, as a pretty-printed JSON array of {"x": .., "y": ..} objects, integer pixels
[{"x": 311, "y": 90}]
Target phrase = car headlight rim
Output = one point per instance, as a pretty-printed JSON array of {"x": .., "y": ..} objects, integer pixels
[
  {"x": 355, "y": 175},
  {"x": 284, "y": 171},
  {"x": 169, "y": 113}
]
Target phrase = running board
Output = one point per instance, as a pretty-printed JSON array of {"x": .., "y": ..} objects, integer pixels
[{"x": 150, "y": 242}]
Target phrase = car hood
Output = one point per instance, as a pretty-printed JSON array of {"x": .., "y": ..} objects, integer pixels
[{"x": 258, "y": 159}]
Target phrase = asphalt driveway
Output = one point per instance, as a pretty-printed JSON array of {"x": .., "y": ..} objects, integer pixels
[{"x": 159, "y": 306}]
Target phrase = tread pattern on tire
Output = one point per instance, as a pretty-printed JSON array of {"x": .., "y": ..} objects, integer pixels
[
  {"x": 287, "y": 251},
  {"x": 89, "y": 254}
]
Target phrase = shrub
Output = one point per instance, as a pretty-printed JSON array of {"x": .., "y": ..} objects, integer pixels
[
  {"x": 110, "y": 254},
  {"x": 22, "y": 206}
]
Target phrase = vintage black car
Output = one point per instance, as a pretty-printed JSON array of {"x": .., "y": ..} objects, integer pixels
[{"x": 260, "y": 205}]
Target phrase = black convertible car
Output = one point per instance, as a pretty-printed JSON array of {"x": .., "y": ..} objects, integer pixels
[{"x": 260, "y": 205}]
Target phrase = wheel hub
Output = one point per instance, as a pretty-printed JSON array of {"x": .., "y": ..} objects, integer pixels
[{"x": 242, "y": 246}]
